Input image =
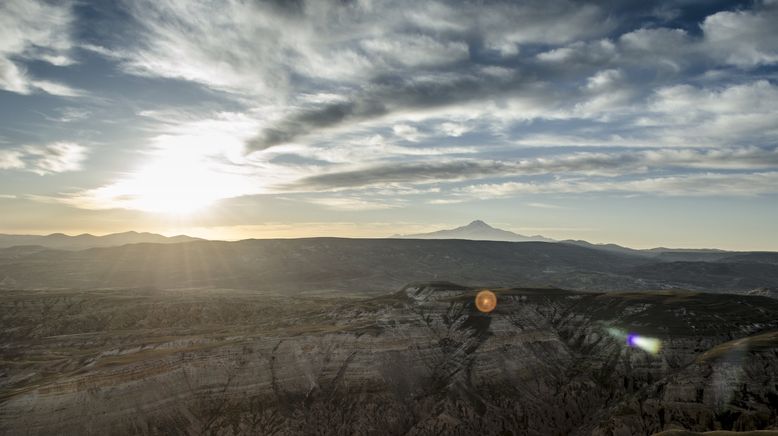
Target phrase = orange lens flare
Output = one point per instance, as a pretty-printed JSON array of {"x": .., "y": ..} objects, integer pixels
[{"x": 486, "y": 301}]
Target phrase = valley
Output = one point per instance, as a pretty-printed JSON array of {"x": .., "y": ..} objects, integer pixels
[{"x": 422, "y": 360}]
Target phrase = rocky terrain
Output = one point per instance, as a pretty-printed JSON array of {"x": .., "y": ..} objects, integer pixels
[{"x": 419, "y": 361}]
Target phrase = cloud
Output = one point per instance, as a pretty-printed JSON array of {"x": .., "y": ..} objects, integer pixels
[
  {"x": 238, "y": 49},
  {"x": 416, "y": 50},
  {"x": 453, "y": 129},
  {"x": 670, "y": 50},
  {"x": 69, "y": 115},
  {"x": 55, "y": 88},
  {"x": 686, "y": 102},
  {"x": 358, "y": 148},
  {"x": 405, "y": 173},
  {"x": 311, "y": 68},
  {"x": 355, "y": 204},
  {"x": 11, "y": 159},
  {"x": 381, "y": 58},
  {"x": 741, "y": 38},
  {"x": 544, "y": 205},
  {"x": 198, "y": 161},
  {"x": 541, "y": 22},
  {"x": 680, "y": 115},
  {"x": 362, "y": 96},
  {"x": 34, "y": 30},
  {"x": 603, "y": 164},
  {"x": 257, "y": 46},
  {"x": 738, "y": 111},
  {"x": 599, "y": 52},
  {"x": 741, "y": 114},
  {"x": 13, "y": 78},
  {"x": 707, "y": 184},
  {"x": 57, "y": 157},
  {"x": 386, "y": 97},
  {"x": 745, "y": 38},
  {"x": 406, "y": 132}
]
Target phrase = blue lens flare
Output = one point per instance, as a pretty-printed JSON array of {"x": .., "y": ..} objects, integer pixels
[
  {"x": 634, "y": 340},
  {"x": 649, "y": 345}
]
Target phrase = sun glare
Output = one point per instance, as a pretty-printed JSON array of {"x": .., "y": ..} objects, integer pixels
[
  {"x": 176, "y": 184},
  {"x": 183, "y": 173},
  {"x": 173, "y": 190}
]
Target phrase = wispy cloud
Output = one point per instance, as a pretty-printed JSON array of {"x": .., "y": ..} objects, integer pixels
[
  {"x": 357, "y": 97},
  {"x": 707, "y": 184},
  {"x": 69, "y": 115},
  {"x": 57, "y": 157},
  {"x": 258, "y": 46},
  {"x": 34, "y": 30},
  {"x": 600, "y": 164},
  {"x": 11, "y": 159},
  {"x": 544, "y": 205},
  {"x": 355, "y": 203}
]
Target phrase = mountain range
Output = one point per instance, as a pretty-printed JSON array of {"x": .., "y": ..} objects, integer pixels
[
  {"x": 475, "y": 231},
  {"x": 384, "y": 336},
  {"x": 481, "y": 231},
  {"x": 62, "y": 241},
  {"x": 374, "y": 266}
]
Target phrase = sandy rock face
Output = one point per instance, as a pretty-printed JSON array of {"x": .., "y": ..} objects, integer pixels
[{"x": 421, "y": 361}]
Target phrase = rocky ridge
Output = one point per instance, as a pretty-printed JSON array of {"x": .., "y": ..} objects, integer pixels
[{"x": 420, "y": 361}]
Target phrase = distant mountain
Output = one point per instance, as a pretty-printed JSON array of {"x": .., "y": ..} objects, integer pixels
[
  {"x": 368, "y": 265},
  {"x": 613, "y": 248},
  {"x": 666, "y": 254},
  {"x": 477, "y": 231},
  {"x": 480, "y": 231},
  {"x": 755, "y": 256},
  {"x": 62, "y": 241}
]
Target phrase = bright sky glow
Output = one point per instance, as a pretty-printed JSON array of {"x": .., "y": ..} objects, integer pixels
[{"x": 640, "y": 123}]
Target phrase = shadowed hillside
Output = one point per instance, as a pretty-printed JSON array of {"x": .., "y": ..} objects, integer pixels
[{"x": 367, "y": 265}]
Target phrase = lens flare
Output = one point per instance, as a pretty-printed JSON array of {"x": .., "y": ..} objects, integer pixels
[
  {"x": 649, "y": 345},
  {"x": 634, "y": 340},
  {"x": 486, "y": 301}
]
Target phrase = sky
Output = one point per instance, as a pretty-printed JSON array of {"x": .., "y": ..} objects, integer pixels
[{"x": 639, "y": 123}]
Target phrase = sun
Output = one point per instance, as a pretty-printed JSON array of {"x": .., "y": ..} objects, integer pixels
[
  {"x": 179, "y": 185},
  {"x": 178, "y": 189},
  {"x": 187, "y": 170}
]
